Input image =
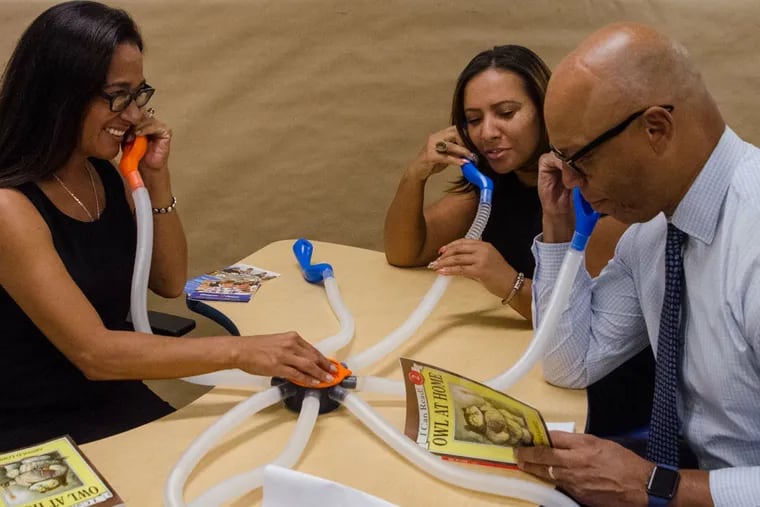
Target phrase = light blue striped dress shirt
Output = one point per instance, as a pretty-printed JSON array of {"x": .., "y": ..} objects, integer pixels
[{"x": 614, "y": 316}]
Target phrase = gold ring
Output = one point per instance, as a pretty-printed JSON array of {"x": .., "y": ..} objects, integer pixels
[
  {"x": 150, "y": 112},
  {"x": 550, "y": 471},
  {"x": 441, "y": 147}
]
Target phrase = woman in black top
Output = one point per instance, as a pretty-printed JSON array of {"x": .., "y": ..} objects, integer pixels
[
  {"x": 497, "y": 121},
  {"x": 71, "y": 93}
]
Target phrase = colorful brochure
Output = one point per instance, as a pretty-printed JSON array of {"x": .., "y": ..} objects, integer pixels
[{"x": 238, "y": 282}]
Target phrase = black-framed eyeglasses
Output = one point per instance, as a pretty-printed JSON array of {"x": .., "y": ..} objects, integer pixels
[
  {"x": 119, "y": 101},
  {"x": 606, "y": 136}
]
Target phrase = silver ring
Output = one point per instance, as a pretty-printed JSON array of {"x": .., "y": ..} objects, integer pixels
[
  {"x": 550, "y": 471},
  {"x": 441, "y": 147},
  {"x": 150, "y": 112}
]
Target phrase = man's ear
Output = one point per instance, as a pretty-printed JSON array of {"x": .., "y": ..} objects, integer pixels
[{"x": 658, "y": 123}]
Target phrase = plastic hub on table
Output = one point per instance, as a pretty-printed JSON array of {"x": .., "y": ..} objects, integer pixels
[{"x": 341, "y": 377}]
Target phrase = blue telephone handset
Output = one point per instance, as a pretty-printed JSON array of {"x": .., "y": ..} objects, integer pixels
[
  {"x": 312, "y": 273},
  {"x": 585, "y": 221},
  {"x": 480, "y": 180}
]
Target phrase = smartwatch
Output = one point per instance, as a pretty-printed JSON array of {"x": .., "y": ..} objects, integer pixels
[{"x": 662, "y": 485}]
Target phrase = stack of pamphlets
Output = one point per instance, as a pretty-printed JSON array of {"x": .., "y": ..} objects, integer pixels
[{"x": 238, "y": 282}]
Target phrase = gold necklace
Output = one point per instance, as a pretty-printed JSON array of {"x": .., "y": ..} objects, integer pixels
[{"x": 78, "y": 201}]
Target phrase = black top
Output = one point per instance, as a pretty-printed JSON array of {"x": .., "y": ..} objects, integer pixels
[
  {"x": 44, "y": 394},
  {"x": 514, "y": 222}
]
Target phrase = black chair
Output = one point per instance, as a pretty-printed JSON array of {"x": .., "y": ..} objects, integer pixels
[
  {"x": 166, "y": 324},
  {"x": 212, "y": 313}
]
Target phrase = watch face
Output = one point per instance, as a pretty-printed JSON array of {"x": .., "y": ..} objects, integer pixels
[{"x": 663, "y": 482}]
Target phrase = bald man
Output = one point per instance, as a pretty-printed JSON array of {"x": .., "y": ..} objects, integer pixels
[{"x": 632, "y": 125}]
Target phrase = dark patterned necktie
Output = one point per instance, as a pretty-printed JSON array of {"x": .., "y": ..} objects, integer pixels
[{"x": 663, "y": 427}]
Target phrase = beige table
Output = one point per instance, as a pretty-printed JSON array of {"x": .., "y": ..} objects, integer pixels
[{"x": 469, "y": 332}]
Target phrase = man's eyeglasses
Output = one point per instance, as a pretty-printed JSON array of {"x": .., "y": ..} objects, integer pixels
[
  {"x": 606, "y": 136},
  {"x": 119, "y": 101}
]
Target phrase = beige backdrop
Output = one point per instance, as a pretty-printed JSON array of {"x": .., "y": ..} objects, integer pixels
[{"x": 295, "y": 118}]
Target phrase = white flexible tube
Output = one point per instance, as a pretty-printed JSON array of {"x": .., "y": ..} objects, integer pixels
[
  {"x": 327, "y": 346},
  {"x": 368, "y": 357},
  {"x": 380, "y": 385},
  {"x": 547, "y": 327},
  {"x": 229, "y": 378},
  {"x": 241, "y": 484},
  {"x": 139, "y": 291},
  {"x": 144, "y": 251},
  {"x": 448, "y": 472},
  {"x": 429, "y": 301},
  {"x": 174, "y": 487},
  {"x": 330, "y": 345}
]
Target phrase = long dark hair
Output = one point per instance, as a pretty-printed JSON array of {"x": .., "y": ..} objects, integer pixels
[
  {"x": 535, "y": 76},
  {"x": 60, "y": 63}
]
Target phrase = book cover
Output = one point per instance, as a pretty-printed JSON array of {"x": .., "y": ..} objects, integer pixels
[
  {"x": 463, "y": 420},
  {"x": 238, "y": 282},
  {"x": 52, "y": 474}
]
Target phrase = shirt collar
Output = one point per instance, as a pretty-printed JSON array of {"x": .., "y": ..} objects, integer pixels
[{"x": 698, "y": 212}]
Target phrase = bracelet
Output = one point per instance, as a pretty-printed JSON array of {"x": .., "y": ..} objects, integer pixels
[
  {"x": 168, "y": 209},
  {"x": 519, "y": 281}
]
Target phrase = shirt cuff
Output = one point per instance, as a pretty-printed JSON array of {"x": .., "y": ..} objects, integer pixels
[
  {"x": 735, "y": 487},
  {"x": 549, "y": 257}
]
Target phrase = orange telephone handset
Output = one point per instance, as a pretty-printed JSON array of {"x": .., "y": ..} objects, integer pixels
[{"x": 131, "y": 154}]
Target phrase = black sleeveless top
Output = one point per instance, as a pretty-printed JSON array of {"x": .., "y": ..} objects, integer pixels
[
  {"x": 44, "y": 395},
  {"x": 514, "y": 222}
]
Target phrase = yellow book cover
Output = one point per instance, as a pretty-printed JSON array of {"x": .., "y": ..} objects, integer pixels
[
  {"x": 463, "y": 420},
  {"x": 52, "y": 474}
]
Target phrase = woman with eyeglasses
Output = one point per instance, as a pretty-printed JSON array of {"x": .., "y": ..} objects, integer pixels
[
  {"x": 72, "y": 93},
  {"x": 497, "y": 122}
]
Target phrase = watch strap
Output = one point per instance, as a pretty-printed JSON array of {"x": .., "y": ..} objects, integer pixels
[{"x": 656, "y": 500}]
